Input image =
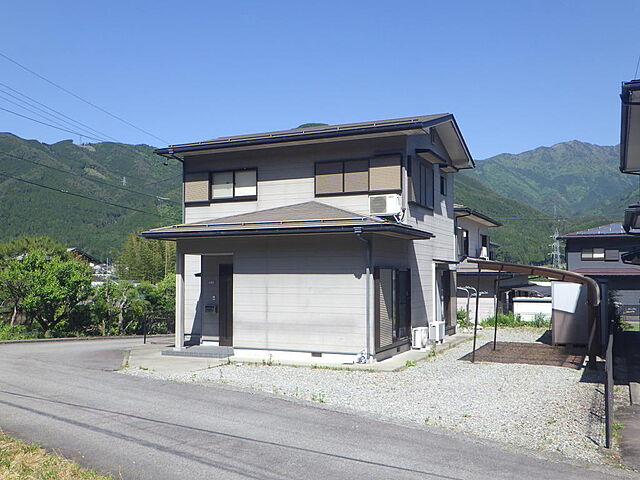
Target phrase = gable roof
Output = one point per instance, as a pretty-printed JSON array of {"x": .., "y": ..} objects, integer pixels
[
  {"x": 444, "y": 122},
  {"x": 609, "y": 230},
  {"x": 476, "y": 215},
  {"x": 309, "y": 217}
]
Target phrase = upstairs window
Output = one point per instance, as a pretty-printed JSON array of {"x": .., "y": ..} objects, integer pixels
[
  {"x": 347, "y": 177},
  {"x": 234, "y": 184},
  {"x": 422, "y": 182},
  {"x": 443, "y": 184},
  {"x": 592, "y": 254},
  {"x": 611, "y": 255}
]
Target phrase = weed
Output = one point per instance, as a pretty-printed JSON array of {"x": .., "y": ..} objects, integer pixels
[
  {"x": 551, "y": 421},
  {"x": 410, "y": 363},
  {"x": 616, "y": 427},
  {"x": 143, "y": 368},
  {"x": 318, "y": 397},
  {"x": 426, "y": 420},
  {"x": 466, "y": 415}
]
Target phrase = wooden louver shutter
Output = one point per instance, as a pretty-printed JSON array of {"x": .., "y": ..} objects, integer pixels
[
  {"x": 329, "y": 178},
  {"x": 356, "y": 175},
  {"x": 385, "y": 173},
  {"x": 196, "y": 187},
  {"x": 384, "y": 306}
]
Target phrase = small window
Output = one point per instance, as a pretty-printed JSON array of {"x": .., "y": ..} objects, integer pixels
[
  {"x": 611, "y": 255},
  {"x": 443, "y": 184},
  {"x": 245, "y": 183},
  {"x": 598, "y": 253},
  {"x": 234, "y": 184},
  {"x": 222, "y": 185},
  {"x": 586, "y": 254},
  {"x": 423, "y": 185}
]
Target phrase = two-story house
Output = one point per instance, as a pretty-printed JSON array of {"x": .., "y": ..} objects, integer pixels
[
  {"x": 473, "y": 241},
  {"x": 326, "y": 243},
  {"x": 597, "y": 253}
]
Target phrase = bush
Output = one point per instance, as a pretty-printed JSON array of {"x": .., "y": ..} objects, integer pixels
[
  {"x": 461, "y": 318},
  {"x": 512, "y": 320},
  {"x": 16, "y": 332}
]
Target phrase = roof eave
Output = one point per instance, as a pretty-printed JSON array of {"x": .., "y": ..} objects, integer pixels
[
  {"x": 407, "y": 232},
  {"x": 214, "y": 145}
]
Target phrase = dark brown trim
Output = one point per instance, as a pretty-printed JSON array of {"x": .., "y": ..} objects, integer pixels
[
  {"x": 396, "y": 344},
  {"x": 376, "y": 309}
]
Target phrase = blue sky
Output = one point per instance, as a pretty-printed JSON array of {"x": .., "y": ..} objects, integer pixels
[{"x": 516, "y": 74}]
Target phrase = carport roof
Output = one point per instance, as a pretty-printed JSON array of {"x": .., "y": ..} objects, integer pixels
[{"x": 304, "y": 218}]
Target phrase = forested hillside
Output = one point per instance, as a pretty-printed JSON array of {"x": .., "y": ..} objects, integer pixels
[
  {"x": 105, "y": 176},
  {"x": 575, "y": 178},
  {"x": 579, "y": 179}
]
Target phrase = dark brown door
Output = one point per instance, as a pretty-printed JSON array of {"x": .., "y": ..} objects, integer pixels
[{"x": 226, "y": 304}]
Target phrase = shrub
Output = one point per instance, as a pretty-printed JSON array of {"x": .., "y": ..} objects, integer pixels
[
  {"x": 462, "y": 319},
  {"x": 16, "y": 332}
]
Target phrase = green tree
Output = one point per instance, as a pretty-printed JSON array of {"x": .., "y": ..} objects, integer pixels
[
  {"x": 52, "y": 287},
  {"x": 145, "y": 260},
  {"x": 25, "y": 244},
  {"x": 116, "y": 306}
]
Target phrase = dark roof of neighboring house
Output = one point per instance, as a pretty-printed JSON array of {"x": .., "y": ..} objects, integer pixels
[
  {"x": 610, "y": 230},
  {"x": 81, "y": 253},
  {"x": 304, "y": 218},
  {"x": 470, "y": 212},
  {"x": 609, "y": 272},
  {"x": 327, "y": 131}
]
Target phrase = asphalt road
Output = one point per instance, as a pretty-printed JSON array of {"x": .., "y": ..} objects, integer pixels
[{"x": 66, "y": 397}]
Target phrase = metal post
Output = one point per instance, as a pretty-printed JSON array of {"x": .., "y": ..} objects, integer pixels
[
  {"x": 495, "y": 323},
  {"x": 475, "y": 325},
  {"x": 144, "y": 330}
]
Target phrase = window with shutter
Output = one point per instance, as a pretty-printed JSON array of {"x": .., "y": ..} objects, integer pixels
[
  {"x": 385, "y": 173},
  {"x": 329, "y": 178},
  {"x": 356, "y": 176},
  {"x": 196, "y": 187}
]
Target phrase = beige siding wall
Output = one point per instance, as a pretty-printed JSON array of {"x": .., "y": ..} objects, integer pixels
[
  {"x": 286, "y": 175},
  {"x": 296, "y": 293}
]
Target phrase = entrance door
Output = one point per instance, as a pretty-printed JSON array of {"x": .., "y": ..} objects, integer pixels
[{"x": 226, "y": 304}]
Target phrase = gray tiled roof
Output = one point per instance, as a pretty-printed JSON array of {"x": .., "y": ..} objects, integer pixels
[
  {"x": 325, "y": 129},
  {"x": 313, "y": 217},
  {"x": 612, "y": 229}
]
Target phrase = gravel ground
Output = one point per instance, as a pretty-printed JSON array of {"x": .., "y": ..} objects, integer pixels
[{"x": 539, "y": 407}]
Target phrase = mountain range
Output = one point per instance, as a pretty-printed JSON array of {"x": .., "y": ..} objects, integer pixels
[
  {"x": 106, "y": 178},
  {"x": 121, "y": 188}
]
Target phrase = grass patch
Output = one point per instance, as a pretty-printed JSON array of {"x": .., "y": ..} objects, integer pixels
[{"x": 22, "y": 461}]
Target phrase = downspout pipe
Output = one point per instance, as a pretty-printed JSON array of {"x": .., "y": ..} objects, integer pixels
[{"x": 368, "y": 273}]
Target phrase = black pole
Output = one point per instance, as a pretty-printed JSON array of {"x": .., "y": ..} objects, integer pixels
[
  {"x": 475, "y": 325},
  {"x": 495, "y": 323},
  {"x": 144, "y": 329}
]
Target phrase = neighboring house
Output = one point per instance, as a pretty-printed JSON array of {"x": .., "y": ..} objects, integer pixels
[
  {"x": 473, "y": 241},
  {"x": 325, "y": 243},
  {"x": 596, "y": 253},
  {"x": 84, "y": 256}
]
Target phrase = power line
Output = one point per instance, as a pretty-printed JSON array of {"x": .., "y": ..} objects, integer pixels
[
  {"x": 79, "y": 195},
  {"x": 49, "y": 125},
  {"x": 91, "y": 179},
  {"x": 164, "y": 179},
  {"x": 87, "y": 127},
  {"x": 29, "y": 109},
  {"x": 82, "y": 99}
]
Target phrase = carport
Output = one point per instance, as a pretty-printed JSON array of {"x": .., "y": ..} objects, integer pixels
[{"x": 593, "y": 299}]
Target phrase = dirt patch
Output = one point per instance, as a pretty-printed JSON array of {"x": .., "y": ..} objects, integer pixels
[{"x": 530, "y": 354}]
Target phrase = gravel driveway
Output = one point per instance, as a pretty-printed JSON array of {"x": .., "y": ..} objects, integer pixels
[{"x": 539, "y": 407}]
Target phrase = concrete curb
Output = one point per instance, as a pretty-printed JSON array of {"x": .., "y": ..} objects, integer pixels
[{"x": 75, "y": 339}]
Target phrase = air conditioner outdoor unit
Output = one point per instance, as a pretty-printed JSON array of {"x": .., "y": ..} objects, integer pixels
[
  {"x": 420, "y": 337},
  {"x": 436, "y": 331},
  {"x": 382, "y": 205}
]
